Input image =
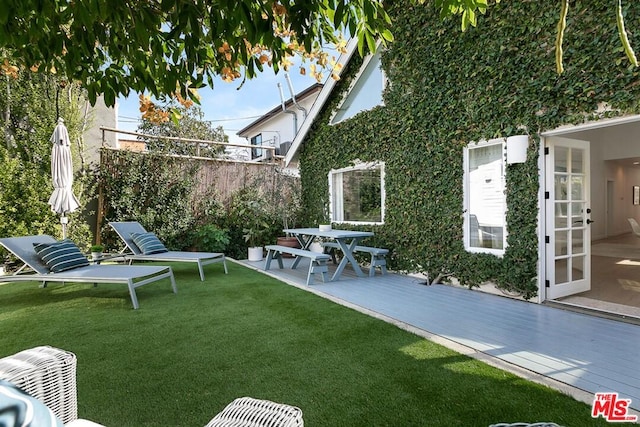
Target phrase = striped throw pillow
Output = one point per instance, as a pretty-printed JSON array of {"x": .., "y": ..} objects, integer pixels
[
  {"x": 60, "y": 256},
  {"x": 148, "y": 243}
]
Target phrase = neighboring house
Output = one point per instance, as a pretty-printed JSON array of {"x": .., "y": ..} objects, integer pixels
[
  {"x": 279, "y": 126},
  {"x": 99, "y": 116},
  {"x": 414, "y": 146}
]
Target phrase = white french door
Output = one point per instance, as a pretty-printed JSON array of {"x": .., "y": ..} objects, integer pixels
[{"x": 568, "y": 219}]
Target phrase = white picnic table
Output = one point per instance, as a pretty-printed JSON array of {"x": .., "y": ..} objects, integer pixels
[{"x": 346, "y": 239}]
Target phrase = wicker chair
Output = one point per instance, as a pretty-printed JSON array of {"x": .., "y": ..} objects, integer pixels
[
  {"x": 250, "y": 412},
  {"x": 49, "y": 375}
]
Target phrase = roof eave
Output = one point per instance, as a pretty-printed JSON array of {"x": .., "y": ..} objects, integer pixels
[
  {"x": 275, "y": 110},
  {"x": 327, "y": 89}
]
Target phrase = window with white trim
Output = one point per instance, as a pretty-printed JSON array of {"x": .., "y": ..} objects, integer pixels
[
  {"x": 484, "y": 197},
  {"x": 357, "y": 194}
]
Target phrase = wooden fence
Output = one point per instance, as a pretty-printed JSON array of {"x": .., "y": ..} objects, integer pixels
[{"x": 222, "y": 177}]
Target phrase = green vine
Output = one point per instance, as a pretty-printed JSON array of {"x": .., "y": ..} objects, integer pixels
[{"x": 448, "y": 88}]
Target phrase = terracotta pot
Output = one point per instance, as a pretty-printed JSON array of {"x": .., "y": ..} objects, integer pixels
[{"x": 290, "y": 242}]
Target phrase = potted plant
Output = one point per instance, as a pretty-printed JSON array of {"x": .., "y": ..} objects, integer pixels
[
  {"x": 316, "y": 245},
  {"x": 256, "y": 228},
  {"x": 96, "y": 251}
]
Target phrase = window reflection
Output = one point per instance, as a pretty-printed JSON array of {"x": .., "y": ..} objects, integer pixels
[
  {"x": 358, "y": 194},
  {"x": 486, "y": 196}
]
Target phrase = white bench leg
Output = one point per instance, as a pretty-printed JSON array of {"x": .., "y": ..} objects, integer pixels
[
  {"x": 271, "y": 254},
  {"x": 377, "y": 261},
  {"x": 323, "y": 270},
  {"x": 318, "y": 266},
  {"x": 309, "y": 274},
  {"x": 267, "y": 261}
]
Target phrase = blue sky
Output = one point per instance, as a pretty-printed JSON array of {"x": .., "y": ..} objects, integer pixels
[{"x": 226, "y": 104}]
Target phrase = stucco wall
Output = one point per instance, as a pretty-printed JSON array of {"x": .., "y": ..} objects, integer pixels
[{"x": 99, "y": 116}]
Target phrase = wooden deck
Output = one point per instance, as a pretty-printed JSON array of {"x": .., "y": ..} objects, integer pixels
[{"x": 577, "y": 353}]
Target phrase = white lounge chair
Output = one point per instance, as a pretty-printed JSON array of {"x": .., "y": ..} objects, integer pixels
[
  {"x": 127, "y": 228},
  {"x": 132, "y": 276}
]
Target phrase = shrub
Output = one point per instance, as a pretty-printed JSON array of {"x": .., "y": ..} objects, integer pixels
[{"x": 211, "y": 238}]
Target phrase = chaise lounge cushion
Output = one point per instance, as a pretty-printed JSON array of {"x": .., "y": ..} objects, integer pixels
[
  {"x": 60, "y": 256},
  {"x": 148, "y": 243}
]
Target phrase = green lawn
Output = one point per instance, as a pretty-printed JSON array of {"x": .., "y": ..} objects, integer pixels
[{"x": 180, "y": 359}]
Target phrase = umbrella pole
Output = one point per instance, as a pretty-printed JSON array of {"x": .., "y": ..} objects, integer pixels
[{"x": 64, "y": 221}]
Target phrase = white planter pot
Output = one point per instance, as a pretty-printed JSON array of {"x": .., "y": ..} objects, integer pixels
[
  {"x": 316, "y": 247},
  {"x": 96, "y": 255},
  {"x": 255, "y": 253}
]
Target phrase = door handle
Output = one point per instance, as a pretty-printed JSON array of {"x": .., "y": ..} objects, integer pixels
[{"x": 589, "y": 221}]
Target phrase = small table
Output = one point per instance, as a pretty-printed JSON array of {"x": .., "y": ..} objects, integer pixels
[
  {"x": 106, "y": 257},
  {"x": 346, "y": 239}
]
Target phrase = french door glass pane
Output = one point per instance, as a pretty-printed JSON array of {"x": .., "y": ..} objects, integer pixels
[{"x": 561, "y": 271}]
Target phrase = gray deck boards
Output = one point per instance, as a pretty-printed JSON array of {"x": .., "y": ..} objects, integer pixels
[{"x": 590, "y": 353}]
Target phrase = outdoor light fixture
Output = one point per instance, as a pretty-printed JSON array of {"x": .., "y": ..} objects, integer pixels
[{"x": 517, "y": 149}]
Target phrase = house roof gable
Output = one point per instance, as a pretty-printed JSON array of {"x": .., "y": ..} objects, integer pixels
[
  {"x": 326, "y": 91},
  {"x": 311, "y": 90}
]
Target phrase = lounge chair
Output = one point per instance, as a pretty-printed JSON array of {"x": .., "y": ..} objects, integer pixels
[
  {"x": 127, "y": 228},
  {"x": 132, "y": 276}
]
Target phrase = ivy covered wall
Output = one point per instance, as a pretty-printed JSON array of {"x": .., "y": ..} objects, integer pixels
[{"x": 448, "y": 88}]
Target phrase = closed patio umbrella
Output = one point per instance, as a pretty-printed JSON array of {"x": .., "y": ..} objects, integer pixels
[{"x": 62, "y": 199}]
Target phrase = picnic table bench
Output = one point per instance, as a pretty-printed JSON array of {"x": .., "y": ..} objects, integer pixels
[
  {"x": 378, "y": 256},
  {"x": 317, "y": 260}
]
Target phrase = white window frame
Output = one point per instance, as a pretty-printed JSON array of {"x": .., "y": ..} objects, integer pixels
[
  {"x": 467, "y": 203},
  {"x": 335, "y": 203}
]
